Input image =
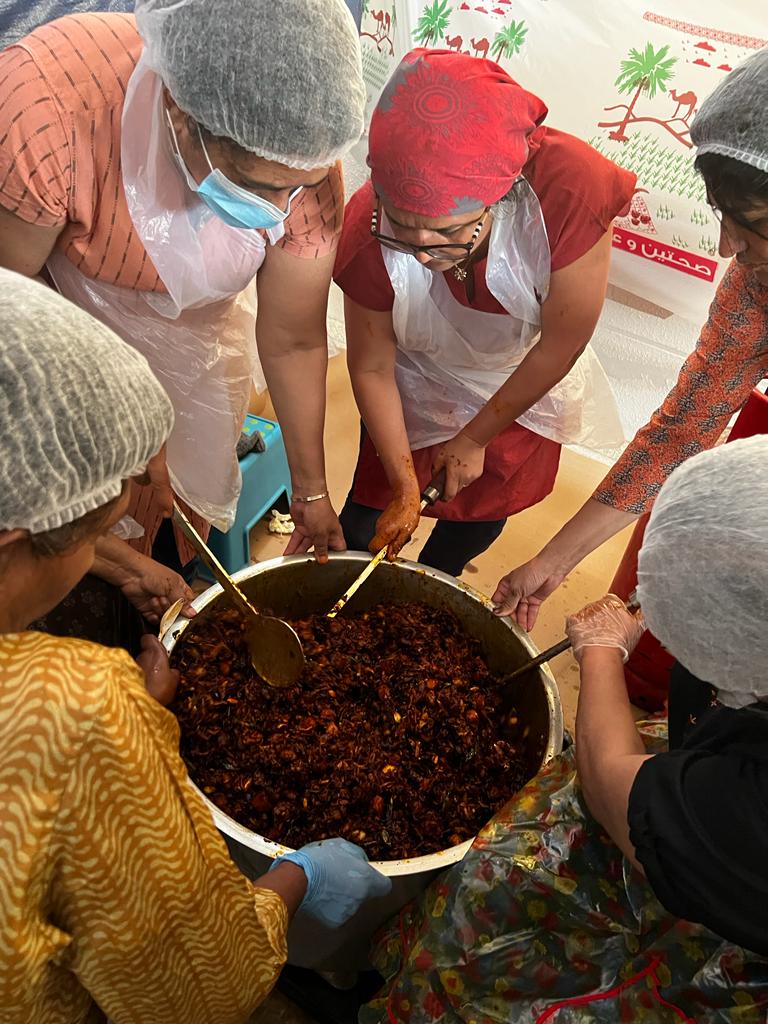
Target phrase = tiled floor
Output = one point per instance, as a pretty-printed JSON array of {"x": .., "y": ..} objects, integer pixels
[{"x": 522, "y": 538}]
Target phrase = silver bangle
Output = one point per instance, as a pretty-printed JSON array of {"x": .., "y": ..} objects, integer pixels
[{"x": 309, "y": 497}]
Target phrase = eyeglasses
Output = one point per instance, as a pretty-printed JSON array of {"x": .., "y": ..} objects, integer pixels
[
  {"x": 453, "y": 252},
  {"x": 745, "y": 224}
]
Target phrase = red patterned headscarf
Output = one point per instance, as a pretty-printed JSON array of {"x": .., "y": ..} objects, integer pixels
[{"x": 450, "y": 133}]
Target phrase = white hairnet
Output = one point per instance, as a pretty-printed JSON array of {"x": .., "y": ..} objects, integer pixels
[
  {"x": 733, "y": 120},
  {"x": 282, "y": 79},
  {"x": 703, "y": 572},
  {"x": 80, "y": 411}
]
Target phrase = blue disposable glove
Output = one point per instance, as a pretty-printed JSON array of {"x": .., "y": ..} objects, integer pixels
[{"x": 339, "y": 879}]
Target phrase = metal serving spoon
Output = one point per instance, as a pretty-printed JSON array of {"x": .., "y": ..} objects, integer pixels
[{"x": 274, "y": 646}]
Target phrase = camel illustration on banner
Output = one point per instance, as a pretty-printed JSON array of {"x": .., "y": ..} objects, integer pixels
[{"x": 383, "y": 34}]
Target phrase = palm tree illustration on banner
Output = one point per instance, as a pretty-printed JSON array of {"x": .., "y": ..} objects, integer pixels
[
  {"x": 509, "y": 41},
  {"x": 433, "y": 22},
  {"x": 646, "y": 72}
]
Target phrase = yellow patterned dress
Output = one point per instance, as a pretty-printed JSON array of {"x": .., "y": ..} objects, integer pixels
[{"x": 116, "y": 891}]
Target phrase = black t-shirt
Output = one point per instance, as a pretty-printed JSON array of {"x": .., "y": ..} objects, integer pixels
[{"x": 698, "y": 815}]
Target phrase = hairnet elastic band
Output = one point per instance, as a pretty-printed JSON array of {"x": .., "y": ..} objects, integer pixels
[
  {"x": 301, "y": 163},
  {"x": 743, "y": 156}
]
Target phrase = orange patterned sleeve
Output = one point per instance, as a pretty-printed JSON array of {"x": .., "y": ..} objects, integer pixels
[
  {"x": 313, "y": 227},
  {"x": 715, "y": 381},
  {"x": 35, "y": 161}
]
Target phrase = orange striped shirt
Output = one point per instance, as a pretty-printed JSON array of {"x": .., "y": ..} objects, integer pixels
[{"x": 62, "y": 90}]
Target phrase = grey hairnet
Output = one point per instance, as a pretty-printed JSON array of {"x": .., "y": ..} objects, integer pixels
[
  {"x": 702, "y": 570},
  {"x": 282, "y": 78},
  {"x": 80, "y": 411},
  {"x": 733, "y": 120}
]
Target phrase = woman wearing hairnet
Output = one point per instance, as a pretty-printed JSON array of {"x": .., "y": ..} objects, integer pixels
[
  {"x": 116, "y": 891},
  {"x": 474, "y": 265},
  {"x": 176, "y": 173},
  {"x": 627, "y": 881},
  {"x": 730, "y": 133}
]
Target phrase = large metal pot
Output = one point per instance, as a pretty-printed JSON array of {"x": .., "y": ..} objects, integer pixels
[{"x": 296, "y": 586}]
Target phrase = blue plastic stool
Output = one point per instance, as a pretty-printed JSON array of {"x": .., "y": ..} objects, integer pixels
[{"x": 265, "y": 478}]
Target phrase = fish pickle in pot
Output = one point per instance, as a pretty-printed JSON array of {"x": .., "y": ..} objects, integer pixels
[{"x": 391, "y": 738}]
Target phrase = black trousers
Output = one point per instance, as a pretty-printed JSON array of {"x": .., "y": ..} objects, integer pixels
[{"x": 450, "y": 546}]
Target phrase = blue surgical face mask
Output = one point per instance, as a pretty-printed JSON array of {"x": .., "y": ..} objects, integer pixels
[{"x": 234, "y": 205}]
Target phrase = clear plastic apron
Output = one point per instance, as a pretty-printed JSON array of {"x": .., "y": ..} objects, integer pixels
[
  {"x": 451, "y": 359},
  {"x": 200, "y": 338}
]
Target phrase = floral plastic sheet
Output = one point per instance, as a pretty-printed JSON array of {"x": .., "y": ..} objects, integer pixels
[{"x": 545, "y": 921}]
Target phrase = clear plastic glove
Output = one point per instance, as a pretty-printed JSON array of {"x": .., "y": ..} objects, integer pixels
[
  {"x": 339, "y": 879},
  {"x": 524, "y": 590},
  {"x": 605, "y": 623},
  {"x": 316, "y": 526},
  {"x": 397, "y": 522}
]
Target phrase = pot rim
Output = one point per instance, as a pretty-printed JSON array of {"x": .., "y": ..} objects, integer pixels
[{"x": 406, "y": 866}]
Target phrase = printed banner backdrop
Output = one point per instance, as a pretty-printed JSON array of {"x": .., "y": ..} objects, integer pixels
[
  {"x": 385, "y": 36},
  {"x": 628, "y": 78}
]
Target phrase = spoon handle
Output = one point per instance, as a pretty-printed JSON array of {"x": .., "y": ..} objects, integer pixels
[
  {"x": 551, "y": 652},
  {"x": 218, "y": 570},
  {"x": 357, "y": 583},
  {"x": 429, "y": 496}
]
